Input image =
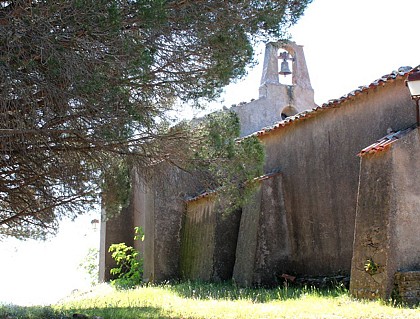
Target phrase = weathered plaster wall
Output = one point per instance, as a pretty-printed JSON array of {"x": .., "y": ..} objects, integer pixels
[
  {"x": 209, "y": 240},
  {"x": 317, "y": 158},
  {"x": 226, "y": 237},
  {"x": 269, "y": 111},
  {"x": 372, "y": 240},
  {"x": 263, "y": 249},
  {"x": 198, "y": 241},
  {"x": 406, "y": 189},
  {"x": 168, "y": 212},
  {"x": 246, "y": 250},
  {"x": 387, "y": 218},
  {"x": 157, "y": 205},
  {"x": 164, "y": 217},
  {"x": 117, "y": 229},
  {"x": 143, "y": 204}
]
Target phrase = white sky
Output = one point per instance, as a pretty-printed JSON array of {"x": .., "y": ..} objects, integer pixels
[
  {"x": 347, "y": 43},
  {"x": 36, "y": 272}
]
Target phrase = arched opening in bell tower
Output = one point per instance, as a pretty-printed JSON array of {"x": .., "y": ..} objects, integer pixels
[{"x": 288, "y": 111}]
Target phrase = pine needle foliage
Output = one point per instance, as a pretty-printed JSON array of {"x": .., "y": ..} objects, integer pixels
[
  {"x": 86, "y": 84},
  {"x": 225, "y": 162}
]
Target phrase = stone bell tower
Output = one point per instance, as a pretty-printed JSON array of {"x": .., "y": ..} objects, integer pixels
[
  {"x": 299, "y": 95},
  {"x": 276, "y": 100}
]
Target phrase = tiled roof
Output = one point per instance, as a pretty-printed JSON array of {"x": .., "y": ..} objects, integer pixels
[
  {"x": 378, "y": 146},
  {"x": 213, "y": 192},
  {"x": 402, "y": 72},
  {"x": 385, "y": 142},
  {"x": 205, "y": 194}
]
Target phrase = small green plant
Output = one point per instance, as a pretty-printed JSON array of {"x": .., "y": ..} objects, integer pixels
[
  {"x": 371, "y": 267},
  {"x": 129, "y": 270},
  {"x": 138, "y": 233},
  {"x": 90, "y": 264}
]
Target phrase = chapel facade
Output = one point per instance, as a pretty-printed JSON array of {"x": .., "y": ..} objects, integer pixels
[{"x": 329, "y": 202}]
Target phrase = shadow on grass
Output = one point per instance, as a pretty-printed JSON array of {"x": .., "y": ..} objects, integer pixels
[
  {"x": 15, "y": 312},
  {"x": 124, "y": 312},
  {"x": 229, "y": 291}
]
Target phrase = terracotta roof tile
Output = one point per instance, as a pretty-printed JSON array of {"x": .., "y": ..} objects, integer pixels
[
  {"x": 402, "y": 72},
  {"x": 377, "y": 146},
  {"x": 200, "y": 196},
  {"x": 385, "y": 142},
  {"x": 213, "y": 192}
]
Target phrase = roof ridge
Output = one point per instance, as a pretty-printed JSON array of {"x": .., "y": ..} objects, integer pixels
[
  {"x": 332, "y": 103},
  {"x": 207, "y": 193},
  {"x": 385, "y": 141}
]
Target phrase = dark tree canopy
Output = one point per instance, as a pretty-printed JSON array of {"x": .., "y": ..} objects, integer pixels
[{"x": 85, "y": 86}]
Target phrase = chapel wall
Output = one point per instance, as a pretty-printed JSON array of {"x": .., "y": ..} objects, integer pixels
[{"x": 318, "y": 162}]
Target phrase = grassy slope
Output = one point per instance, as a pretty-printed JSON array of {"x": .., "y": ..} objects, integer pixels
[{"x": 190, "y": 300}]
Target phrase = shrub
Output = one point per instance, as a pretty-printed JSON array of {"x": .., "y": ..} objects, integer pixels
[{"x": 129, "y": 270}]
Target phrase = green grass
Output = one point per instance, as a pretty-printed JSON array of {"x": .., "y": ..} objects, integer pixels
[{"x": 195, "y": 300}]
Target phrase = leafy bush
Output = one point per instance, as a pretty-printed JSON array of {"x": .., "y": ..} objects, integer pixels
[{"x": 129, "y": 270}]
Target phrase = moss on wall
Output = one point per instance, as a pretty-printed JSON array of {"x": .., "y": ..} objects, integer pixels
[
  {"x": 208, "y": 240},
  {"x": 197, "y": 240}
]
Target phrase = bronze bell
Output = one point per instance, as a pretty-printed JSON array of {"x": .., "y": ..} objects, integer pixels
[{"x": 285, "y": 70}]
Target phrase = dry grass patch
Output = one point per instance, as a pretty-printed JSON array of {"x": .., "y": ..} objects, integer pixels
[{"x": 195, "y": 300}]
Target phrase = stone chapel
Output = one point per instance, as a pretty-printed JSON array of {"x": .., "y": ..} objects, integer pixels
[{"x": 341, "y": 189}]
